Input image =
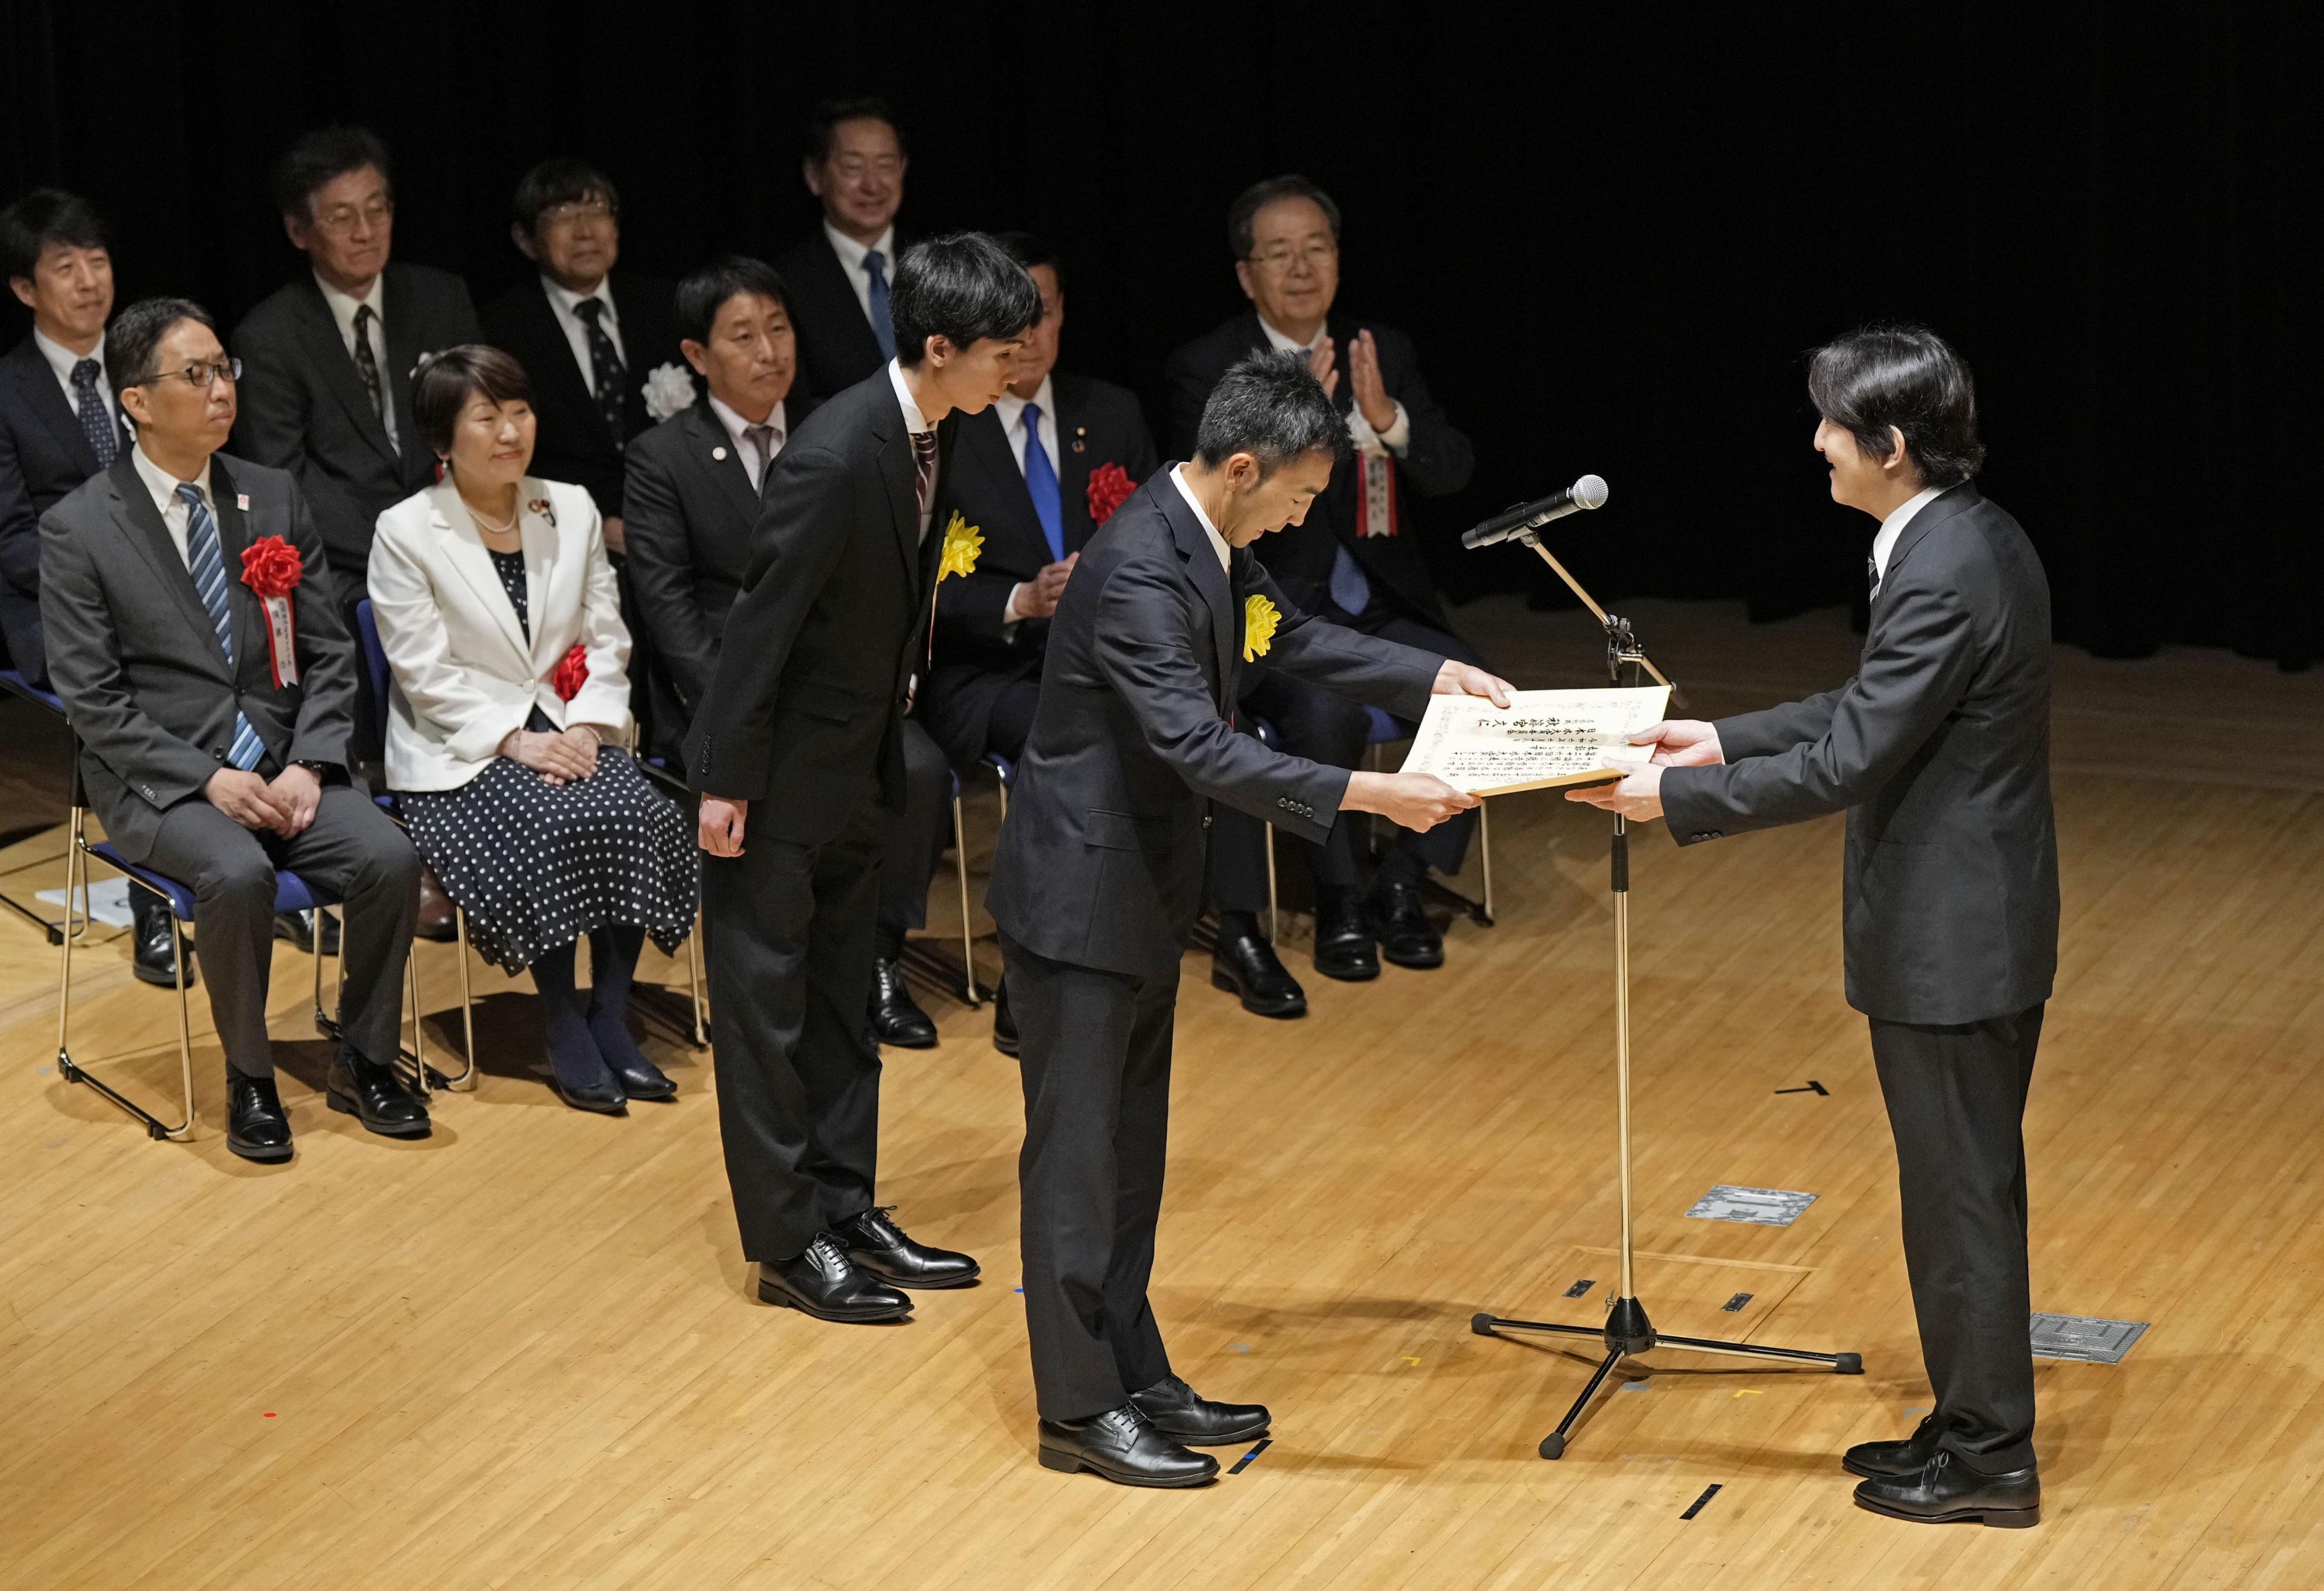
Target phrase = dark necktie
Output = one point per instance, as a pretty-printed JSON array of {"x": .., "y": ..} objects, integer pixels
[
  {"x": 1872, "y": 574},
  {"x": 763, "y": 440},
  {"x": 96, "y": 421},
  {"x": 208, "y": 566},
  {"x": 924, "y": 467},
  {"x": 875, "y": 266},
  {"x": 605, "y": 367},
  {"x": 367, "y": 367},
  {"x": 1041, "y": 481}
]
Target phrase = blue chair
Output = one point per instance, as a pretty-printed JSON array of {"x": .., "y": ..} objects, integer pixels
[{"x": 291, "y": 894}]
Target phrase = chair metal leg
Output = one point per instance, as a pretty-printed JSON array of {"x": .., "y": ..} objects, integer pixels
[
  {"x": 465, "y": 1082},
  {"x": 967, "y": 937},
  {"x": 72, "y": 1071},
  {"x": 694, "y": 982},
  {"x": 1004, "y": 802},
  {"x": 1485, "y": 849},
  {"x": 1274, "y": 908},
  {"x": 64, "y": 986},
  {"x": 324, "y": 1024},
  {"x": 418, "y": 1040}
]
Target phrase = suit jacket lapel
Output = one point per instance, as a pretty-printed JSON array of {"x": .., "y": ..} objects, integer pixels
[
  {"x": 328, "y": 351},
  {"x": 705, "y": 436},
  {"x": 1934, "y": 512},
  {"x": 234, "y": 537},
  {"x": 403, "y": 350},
  {"x": 898, "y": 465},
  {"x": 141, "y": 523},
  {"x": 1209, "y": 579},
  {"x": 31, "y": 371},
  {"x": 544, "y": 540},
  {"x": 463, "y": 549},
  {"x": 1074, "y": 468},
  {"x": 555, "y": 367}
]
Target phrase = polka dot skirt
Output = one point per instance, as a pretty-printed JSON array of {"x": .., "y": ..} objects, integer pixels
[{"x": 536, "y": 866}]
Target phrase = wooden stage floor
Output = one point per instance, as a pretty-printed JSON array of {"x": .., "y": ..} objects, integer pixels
[{"x": 526, "y": 1353}]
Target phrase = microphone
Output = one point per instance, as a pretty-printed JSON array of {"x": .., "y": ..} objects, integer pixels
[{"x": 1589, "y": 492}]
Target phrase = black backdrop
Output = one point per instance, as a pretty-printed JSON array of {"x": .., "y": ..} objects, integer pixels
[{"x": 1613, "y": 233}]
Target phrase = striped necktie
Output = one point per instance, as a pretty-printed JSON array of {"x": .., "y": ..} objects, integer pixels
[
  {"x": 206, "y": 564},
  {"x": 924, "y": 467}
]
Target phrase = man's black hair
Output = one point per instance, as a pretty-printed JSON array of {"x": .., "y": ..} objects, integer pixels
[
  {"x": 1244, "y": 212},
  {"x": 1269, "y": 405},
  {"x": 1029, "y": 251},
  {"x": 42, "y": 218},
  {"x": 1905, "y": 376},
  {"x": 559, "y": 181},
  {"x": 960, "y": 287},
  {"x": 823, "y": 126},
  {"x": 320, "y": 156},
  {"x": 137, "y": 331},
  {"x": 704, "y": 291}
]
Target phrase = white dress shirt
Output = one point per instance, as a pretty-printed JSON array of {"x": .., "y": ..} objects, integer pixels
[
  {"x": 343, "y": 311},
  {"x": 850, "y": 260},
  {"x": 746, "y": 450},
  {"x": 918, "y": 424},
  {"x": 1012, "y": 423},
  {"x": 1394, "y": 439},
  {"x": 175, "y": 514},
  {"x": 62, "y": 359},
  {"x": 1885, "y": 541},
  {"x": 562, "y": 302},
  {"x": 1218, "y": 542}
]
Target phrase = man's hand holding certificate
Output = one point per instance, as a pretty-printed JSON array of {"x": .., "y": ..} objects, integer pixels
[{"x": 1542, "y": 739}]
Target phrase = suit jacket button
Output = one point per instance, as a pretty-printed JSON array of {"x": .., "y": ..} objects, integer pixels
[{"x": 1206, "y": 820}]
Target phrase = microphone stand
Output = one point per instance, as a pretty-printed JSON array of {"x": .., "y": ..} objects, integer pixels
[{"x": 1628, "y": 1331}]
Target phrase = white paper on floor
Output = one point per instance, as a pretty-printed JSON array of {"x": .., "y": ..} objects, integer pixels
[{"x": 108, "y": 901}]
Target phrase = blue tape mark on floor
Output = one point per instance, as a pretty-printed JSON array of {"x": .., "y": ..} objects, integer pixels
[
  {"x": 1696, "y": 1506},
  {"x": 1243, "y": 1463}
]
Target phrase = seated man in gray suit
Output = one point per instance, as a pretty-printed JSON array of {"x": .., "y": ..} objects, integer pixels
[
  {"x": 198, "y": 647},
  {"x": 1100, "y": 877},
  {"x": 1939, "y": 751}
]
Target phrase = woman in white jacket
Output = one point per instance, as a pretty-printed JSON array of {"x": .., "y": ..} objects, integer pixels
[{"x": 509, "y": 723}]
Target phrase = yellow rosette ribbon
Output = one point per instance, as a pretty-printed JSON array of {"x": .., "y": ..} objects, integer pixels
[
  {"x": 963, "y": 542},
  {"x": 1260, "y": 618}
]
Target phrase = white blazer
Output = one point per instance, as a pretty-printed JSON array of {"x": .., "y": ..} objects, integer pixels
[{"x": 463, "y": 676}]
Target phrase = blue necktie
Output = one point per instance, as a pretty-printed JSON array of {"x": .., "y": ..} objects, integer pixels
[
  {"x": 208, "y": 566},
  {"x": 1351, "y": 592},
  {"x": 1041, "y": 481},
  {"x": 875, "y": 266},
  {"x": 96, "y": 421}
]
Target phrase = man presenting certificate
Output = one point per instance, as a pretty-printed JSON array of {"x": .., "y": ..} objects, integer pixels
[{"x": 1098, "y": 879}]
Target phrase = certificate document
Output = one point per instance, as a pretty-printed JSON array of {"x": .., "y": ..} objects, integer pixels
[{"x": 1542, "y": 738}]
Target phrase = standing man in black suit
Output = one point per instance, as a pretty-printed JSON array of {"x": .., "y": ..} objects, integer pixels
[
  {"x": 213, "y": 744},
  {"x": 599, "y": 342},
  {"x": 1938, "y": 750},
  {"x": 1357, "y": 561},
  {"x": 840, "y": 278},
  {"x": 328, "y": 359},
  {"x": 797, "y": 752},
  {"x": 60, "y": 424},
  {"x": 1038, "y": 472},
  {"x": 1100, "y": 877},
  {"x": 694, "y": 494}
]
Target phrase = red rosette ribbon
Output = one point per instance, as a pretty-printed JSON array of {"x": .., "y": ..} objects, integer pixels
[
  {"x": 572, "y": 674},
  {"x": 272, "y": 569},
  {"x": 1110, "y": 487}
]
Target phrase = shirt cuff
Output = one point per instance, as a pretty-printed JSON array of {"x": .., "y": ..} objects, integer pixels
[
  {"x": 1397, "y": 438},
  {"x": 1010, "y": 614}
]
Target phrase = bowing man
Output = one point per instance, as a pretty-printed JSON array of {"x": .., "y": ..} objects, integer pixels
[
  {"x": 1100, "y": 877},
  {"x": 797, "y": 751}
]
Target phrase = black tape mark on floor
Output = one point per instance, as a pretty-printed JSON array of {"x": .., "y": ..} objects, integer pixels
[
  {"x": 1813, "y": 1088},
  {"x": 1734, "y": 1305},
  {"x": 1243, "y": 1463},
  {"x": 1696, "y": 1506},
  {"x": 1580, "y": 1287}
]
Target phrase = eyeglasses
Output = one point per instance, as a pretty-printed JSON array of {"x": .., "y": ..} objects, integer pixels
[
  {"x": 198, "y": 376},
  {"x": 342, "y": 218},
  {"x": 565, "y": 214},
  {"x": 1318, "y": 252},
  {"x": 852, "y": 166}
]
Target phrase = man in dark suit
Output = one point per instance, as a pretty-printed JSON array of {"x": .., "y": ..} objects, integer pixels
[
  {"x": 800, "y": 739},
  {"x": 213, "y": 721},
  {"x": 693, "y": 496},
  {"x": 599, "y": 342},
  {"x": 328, "y": 359},
  {"x": 1100, "y": 877},
  {"x": 1357, "y": 561},
  {"x": 839, "y": 278},
  {"x": 1938, "y": 750}
]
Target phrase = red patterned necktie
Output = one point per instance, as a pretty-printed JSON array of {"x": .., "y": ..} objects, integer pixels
[{"x": 923, "y": 463}]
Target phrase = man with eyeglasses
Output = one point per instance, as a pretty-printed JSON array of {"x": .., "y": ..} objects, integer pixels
[
  {"x": 839, "y": 278},
  {"x": 1357, "y": 561},
  {"x": 329, "y": 357},
  {"x": 214, "y": 722},
  {"x": 591, "y": 334}
]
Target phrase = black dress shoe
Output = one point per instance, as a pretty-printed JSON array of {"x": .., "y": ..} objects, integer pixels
[
  {"x": 1406, "y": 936},
  {"x": 1185, "y": 1415},
  {"x": 299, "y": 929},
  {"x": 1246, "y": 966},
  {"x": 640, "y": 1078},
  {"x": 373, "y": 1095},
  {"x": 1945, "y": 1491},
  {"x": 257, "y": 1128},
  {"x": 1909, "y": 1457},
  {"x": 1344, "y": 938},
  {"x": 879, "y": 1247},
  {"x": 1123, "y": 1445},
  {"x": 153, "y": 946},
  {"x": 603, "y": 1098},
  {"x": 896, "y": 1017},
  {"x": 1004, "y": 1021},
  {"x": 825, "y": 1284}
]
